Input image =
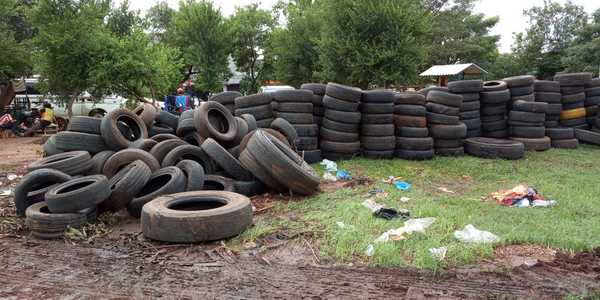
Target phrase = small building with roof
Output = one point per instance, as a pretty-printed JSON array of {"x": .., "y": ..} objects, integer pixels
[{"x": 442, "y": 72}]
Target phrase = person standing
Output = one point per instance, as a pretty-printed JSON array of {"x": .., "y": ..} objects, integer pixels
[
  {"x": 47, "y": 115},
  {"x": 182, "y": 101}
]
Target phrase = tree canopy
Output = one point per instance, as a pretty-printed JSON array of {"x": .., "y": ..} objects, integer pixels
[
  {"x": 459, "y": 36},
  {"x": 250, "y": 29},
  {"x": 553, "y": 27},
  {"x": 584, "y": 53},
  {"x": 15, "y": 30},
  {"x": 200, "y": 31},
  {"x": 294, "y": 48},
  {"x": 372, "y": 42}
]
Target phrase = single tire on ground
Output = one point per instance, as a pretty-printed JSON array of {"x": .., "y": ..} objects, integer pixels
[
  {"x": 494, "y": 148},
  {"x": 196, "y": 216}
]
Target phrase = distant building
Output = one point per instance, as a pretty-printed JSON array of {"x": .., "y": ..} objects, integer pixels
[{"x": 459, "y": 70}]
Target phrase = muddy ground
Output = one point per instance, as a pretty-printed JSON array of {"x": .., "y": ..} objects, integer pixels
[{"x": 122, "y": 264}]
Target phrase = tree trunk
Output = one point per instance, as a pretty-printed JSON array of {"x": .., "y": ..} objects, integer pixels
[{"x": 70, "y": 105}]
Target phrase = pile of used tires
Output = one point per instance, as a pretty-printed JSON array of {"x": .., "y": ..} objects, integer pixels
[
  {"x": 183, "y": 191},
  {"x": 209, "y": 160}
]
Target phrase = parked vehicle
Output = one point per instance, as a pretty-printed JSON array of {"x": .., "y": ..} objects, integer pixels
[{"x": 274, "y": 88}]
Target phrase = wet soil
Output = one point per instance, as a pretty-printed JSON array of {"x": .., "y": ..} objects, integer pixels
[{"x": 122, "y": 264}]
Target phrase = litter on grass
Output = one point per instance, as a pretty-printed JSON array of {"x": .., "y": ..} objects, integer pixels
[
  {"x": 330, "y": 169},
  {"x": 445, "y": 190},
  {"x": 11, "y": 177},
  {"x": 402, "y": 185},
  {"x": 372, "y": 205},
  {"x": 370, "y": 250},
  {"x": 470, "y": 234},
  {"x": 330, "y": 166},
  {"x": 381, "y": 211},
  {"x": 343, "y": 175},
  {"x": 404, "y": 199},
  {"x": 410, "y": 226},
  {"x": 342, "y": 225},
  {"x": 438, "y": 253},
  {"x": 521, "y": 196}
]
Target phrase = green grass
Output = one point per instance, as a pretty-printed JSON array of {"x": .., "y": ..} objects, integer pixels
[{"x": 569, "y": 176}]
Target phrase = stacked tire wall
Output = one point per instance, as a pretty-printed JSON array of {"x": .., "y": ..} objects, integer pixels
[
  {"x": 469, "y": 111},
  {"x": 296, "y": 107},
  {"x": 494, "y": 99},
  {"x": 572, "y": 87},
  {"x": 377, "y": 126},
  {"x": 443, "y": 119},
  {"x": 257, "y": 105},
  {"x": 318, "y": 90},
  {"x": 412, "y": 135},
  {"x": 549, "y": 92},
  {"x": 592, "y": 100},
  {"x": 340, "y": 131},
  {"x": 526, "y": 124},
  {"x": 521, "y": 88}
]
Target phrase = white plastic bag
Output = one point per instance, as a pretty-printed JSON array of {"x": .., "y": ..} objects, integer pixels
[
  {"x": 410, "y": 226},
  {"x": 470, "y": 234},
  {"x": 418, "y": 225},
  {"x": 372, "y": 205},
  {"x": 330, "y": 166},
  {"x": 330, "y": 170}
]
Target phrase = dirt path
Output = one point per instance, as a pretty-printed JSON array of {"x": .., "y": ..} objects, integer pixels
[
  {"x": 40, "y": 269},
  {"x": 15, "y": 153}
]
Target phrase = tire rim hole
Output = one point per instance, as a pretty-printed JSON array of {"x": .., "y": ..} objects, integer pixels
[
  {"x": 74, "y": 187},
  {"x": 193, "y": 205},
  {"x": 134, "y": 132},
  {"x": 154, "y": 184},
  {"x": 218, "y": 121},
  {"x": 212, "y": 185}
]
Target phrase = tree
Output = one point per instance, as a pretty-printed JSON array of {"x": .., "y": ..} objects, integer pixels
[
  {"x": 71, "y": 41},
  {"x": 553, "y": 27},
  {"x": 368, "y": 43},
  {"x": 121, "y": 20},
  {"x": 293, "y": 47},
  {"x": 459, "y": 36},
  {"x": 505, "y": 65},
  {"x": 200, "y": 31},
  {"x": 584, "y": 52},
  {"x": 137, "y": 68},
  {"x": 250, "y": 28},
  {"x": 15, "y": 32},
  {"x": 158, "y": 18}
]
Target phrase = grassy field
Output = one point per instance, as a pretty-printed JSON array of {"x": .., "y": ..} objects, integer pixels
[{"x": 569, "y": 176}]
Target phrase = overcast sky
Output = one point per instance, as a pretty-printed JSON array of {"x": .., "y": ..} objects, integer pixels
[{"x": 509, "y": 11}]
